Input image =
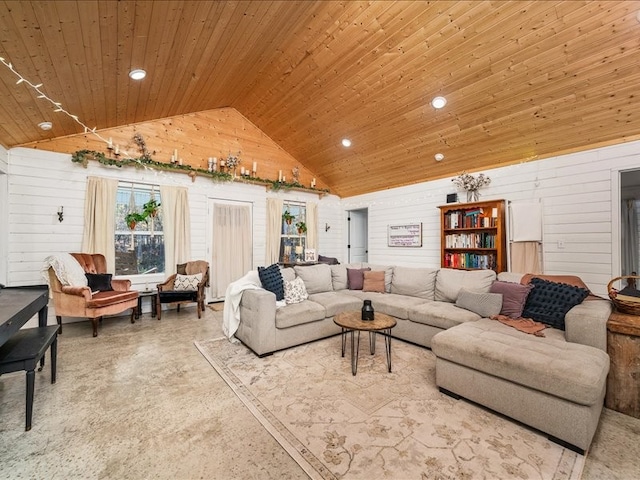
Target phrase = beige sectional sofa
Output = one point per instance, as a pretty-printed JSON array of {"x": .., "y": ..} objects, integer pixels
[{"x": 554, "y": 383}]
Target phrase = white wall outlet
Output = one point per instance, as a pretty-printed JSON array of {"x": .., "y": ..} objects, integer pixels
[{"x": 560, "y": 243}]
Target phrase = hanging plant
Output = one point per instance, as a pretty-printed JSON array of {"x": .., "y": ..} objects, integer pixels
[
  {"x": 287, "y": 217},
  {"x": 150, "y": 209},
  {"x": 132, "y": 219},
  {"x": 302, "y": 227}
]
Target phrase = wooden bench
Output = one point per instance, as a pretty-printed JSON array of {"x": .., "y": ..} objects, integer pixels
[{"x": 23, "y": 351}]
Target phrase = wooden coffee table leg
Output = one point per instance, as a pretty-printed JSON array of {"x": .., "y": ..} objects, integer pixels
[{"x": 343, "y": 337}]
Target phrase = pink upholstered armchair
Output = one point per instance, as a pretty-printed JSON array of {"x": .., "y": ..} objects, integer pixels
[{"x": 72, "y": 301}]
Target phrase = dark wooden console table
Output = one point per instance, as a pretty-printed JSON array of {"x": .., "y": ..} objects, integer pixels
[{"x": 23, "y": 349}]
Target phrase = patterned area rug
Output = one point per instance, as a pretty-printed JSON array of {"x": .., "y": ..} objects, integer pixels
[{"x": 378, "y": 424}]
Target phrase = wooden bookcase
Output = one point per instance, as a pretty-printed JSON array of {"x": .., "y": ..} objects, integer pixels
[{"x": 473, "y": 236}]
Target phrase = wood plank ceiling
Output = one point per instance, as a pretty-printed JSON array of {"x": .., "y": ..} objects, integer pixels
[{"x": 523, "y": 79}]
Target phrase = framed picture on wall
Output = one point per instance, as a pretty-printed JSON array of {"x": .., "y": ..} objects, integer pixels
[{"x": 310, "y": 255}]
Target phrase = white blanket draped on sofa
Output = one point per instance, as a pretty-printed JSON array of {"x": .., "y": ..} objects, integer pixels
[{"x": 233, "y": 295}]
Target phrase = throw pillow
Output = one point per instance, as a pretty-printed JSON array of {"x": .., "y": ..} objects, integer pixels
[
  {"x": 181, "y": 268},
  {"x": 328, "y": 260},
  {"x": 100, "y": 282},
  {"x": 373, "y": 281},
  {"x": 549, "y": 302},
  {"x": 484, "y": 304},
  {"x": 355, "y": 278},
  {"x": 295, "y": 291},
  {"x": 187, "y": 282},
  {"x": 514, "y": 296},
  {"x": 271, "y": 280}
]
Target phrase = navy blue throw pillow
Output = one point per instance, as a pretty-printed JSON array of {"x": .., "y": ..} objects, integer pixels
[
  {"x": 271, "y": 279},
  {"x": 549, "y": 302},
  {"x": 99, "y": 282}
]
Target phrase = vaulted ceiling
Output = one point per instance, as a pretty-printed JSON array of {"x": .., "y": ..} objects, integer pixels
[{"x": 523, "y": 79}]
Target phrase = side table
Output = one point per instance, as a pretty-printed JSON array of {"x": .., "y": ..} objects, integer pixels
[
  {"x": 147, "y": 293},
  {"x": 623, "y": 347}
]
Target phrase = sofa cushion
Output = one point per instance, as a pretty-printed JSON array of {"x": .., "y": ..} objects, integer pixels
[
  {"x": 388, "y": 273},
  {"x": 441, "y": 314},
  {"x": 102, "y": 299},
  {"x": 567, "y": 370},
  {"x": 549, "y": 302},
  {"x": 514, "y": 296},
  {"x": 415, "y": 282},
  {"x": 295, "y": 291},
  {"x": 271, "y": 280},
  {"x": 389, "y": 303},
  {"x": 339, "y": 275},
  {"x": 299, "y": 314},
  {"x": 336, "y": 302},
  {"x": 287, "y": 273},
  {"x": 316, "y": 278},
  {"x": 99, "y": 282},
  {"x": 373, "y": 282},
  {"x": 355, "y": 278},
  {"x": 484, "y": 304},
  {"x": 449, "y": 281}
]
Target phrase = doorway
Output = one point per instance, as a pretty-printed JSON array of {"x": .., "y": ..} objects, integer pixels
[
  {"x": 629, "y": 222},
  {"x": 230, "y": 244},
  {"x": 358, "y": 231}
]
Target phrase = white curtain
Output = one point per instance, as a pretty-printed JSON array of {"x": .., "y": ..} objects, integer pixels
[
  {"x": 177, "y": 226},
  {"x": 312, "y": 225},
  {"x": 232, "y": 245},
  {"x": 629, "y": 237},
  {"x": 274, "y": 229},
  {"x": 99, "y": 231}
]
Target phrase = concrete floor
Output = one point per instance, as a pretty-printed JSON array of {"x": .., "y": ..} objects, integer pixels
[{"x": 140, "y": 401}]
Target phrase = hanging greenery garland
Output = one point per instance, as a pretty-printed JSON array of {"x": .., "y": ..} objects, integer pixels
[{"x": 83, "y": 157}]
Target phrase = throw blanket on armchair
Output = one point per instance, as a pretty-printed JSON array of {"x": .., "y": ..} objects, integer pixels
[{"x": 67, "y": 269}]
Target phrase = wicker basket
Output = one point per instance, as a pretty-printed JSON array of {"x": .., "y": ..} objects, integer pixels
[{"x": 622, "y": 305}]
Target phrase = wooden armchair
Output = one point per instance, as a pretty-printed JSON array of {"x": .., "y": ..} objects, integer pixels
[
  {"x": 70, "y": 301},
  {"x": 173, "y": 293}
]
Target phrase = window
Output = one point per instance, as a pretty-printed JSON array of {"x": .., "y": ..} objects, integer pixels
[
  {"x": 294, "y": 232},
  {"x": 139, "y": 250}
]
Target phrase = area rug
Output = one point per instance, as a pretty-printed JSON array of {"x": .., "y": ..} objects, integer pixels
[
  {"x": 380, "y": 425},
  {"x": 217, "y": 306}
]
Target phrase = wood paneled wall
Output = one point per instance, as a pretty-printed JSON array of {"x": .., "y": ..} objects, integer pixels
[{"x": 196, "y": 137}]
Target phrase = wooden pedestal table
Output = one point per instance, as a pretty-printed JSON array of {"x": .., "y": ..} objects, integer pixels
[
  {"x": 623, "y": 347},
  {"x": 351, "y": 322}
]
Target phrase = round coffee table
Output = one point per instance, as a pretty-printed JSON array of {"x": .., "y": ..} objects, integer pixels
[{"x": 351, "y": 322}]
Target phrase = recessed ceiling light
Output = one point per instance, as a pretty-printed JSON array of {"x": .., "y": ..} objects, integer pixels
[
  {"x": 439, "y": 102},
  {"x": 137, "y": 74},
  {"x": 346, "y": 142},
  {"x": 439, "y": 157},
  {"x": 45, "y": 125}
]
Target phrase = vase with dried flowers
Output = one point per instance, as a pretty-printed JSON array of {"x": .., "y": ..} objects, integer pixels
[{"x": 471, "y": 184}]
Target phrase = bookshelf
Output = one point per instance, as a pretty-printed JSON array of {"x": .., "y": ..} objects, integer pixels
[{"x": 473, "y": 236}]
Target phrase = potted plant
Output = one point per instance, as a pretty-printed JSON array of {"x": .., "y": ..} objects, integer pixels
[
  {"x": 302, "y": 228},
  {"x": 287, "y": 217},
  {"x": 151, "y": 208},
  {"x": 133, "y": 218}
]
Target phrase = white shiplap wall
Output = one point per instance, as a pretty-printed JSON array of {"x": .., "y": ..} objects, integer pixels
[
  {"x": 39, "y": 182},
  {"x": 4, "y": 213},
  {"x": 580, "y": 197}
]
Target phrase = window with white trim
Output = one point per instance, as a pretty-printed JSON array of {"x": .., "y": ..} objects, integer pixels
[
  {"x": 293, "y": 235},
  {"x": 139, "y": 250}
]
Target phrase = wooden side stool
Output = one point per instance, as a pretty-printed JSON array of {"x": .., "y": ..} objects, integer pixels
[
  {"x": 623, "y": 346},
  {"x": 23, "y": 351}
]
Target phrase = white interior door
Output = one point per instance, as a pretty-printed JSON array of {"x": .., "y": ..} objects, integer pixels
[
  {"x": 230, "y": 245},
  {"x": 358, "y": 235}
]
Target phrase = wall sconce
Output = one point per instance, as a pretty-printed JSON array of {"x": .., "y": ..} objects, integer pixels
[
  {"x": 60, "y": 213},
  {"x": 327, "y": 227}
]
